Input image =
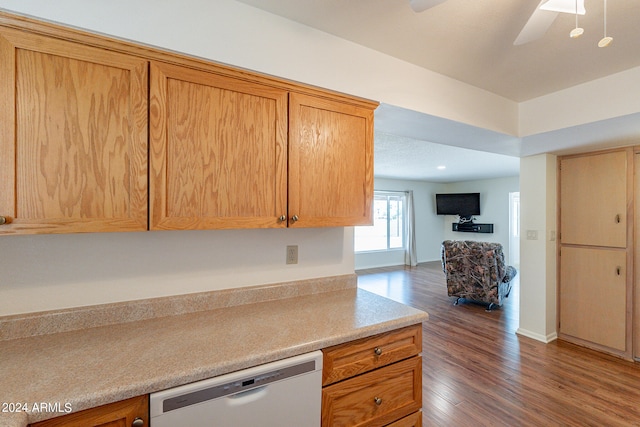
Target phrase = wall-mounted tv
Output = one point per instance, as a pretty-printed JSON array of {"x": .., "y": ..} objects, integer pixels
[{"x": 463, "y": 204}]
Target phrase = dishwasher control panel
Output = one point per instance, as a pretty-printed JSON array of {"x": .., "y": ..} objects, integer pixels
[{"x": 238, "y": 386}]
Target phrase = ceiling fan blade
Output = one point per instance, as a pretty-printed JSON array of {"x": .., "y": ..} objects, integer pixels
[
  {"x": 536, "y": 26},
  {"x": 422, "y": 5}
]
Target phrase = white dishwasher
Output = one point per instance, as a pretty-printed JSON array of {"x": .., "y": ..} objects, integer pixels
[{"x": 284, "y": 393}]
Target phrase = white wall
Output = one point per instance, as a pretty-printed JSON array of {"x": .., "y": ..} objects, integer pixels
[
  {"x": 494, "y": 208},
  {"x": 234, "y": 33},
  {"x": 616, "y": 95},
  {"x": 538, "y": 187},
  {"x": 428, "y": 225},
  {"x": 432, "y": 229},
  {"x": 44, "y": 272}
]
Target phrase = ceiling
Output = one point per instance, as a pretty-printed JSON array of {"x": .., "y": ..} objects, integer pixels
[{"x": 472, "y": 41}]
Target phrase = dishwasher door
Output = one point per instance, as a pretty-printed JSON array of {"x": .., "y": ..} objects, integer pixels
[{"x": 285, "y": 393}]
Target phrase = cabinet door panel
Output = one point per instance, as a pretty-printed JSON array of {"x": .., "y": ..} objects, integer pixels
[
  {"x": 75, "y": 137},
  {"x": 218, "y": 151},
  {"x": 593, "y": 295},
  {"x": 376, "y": 398},
  {"x": 117, "y": 414},
  {"x": 594, "y": 199},
  {"x": 330, "y": 162}
]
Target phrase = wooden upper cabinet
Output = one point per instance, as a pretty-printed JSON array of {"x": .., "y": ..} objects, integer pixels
[
  {"x": 593, "y": 190},
  {"x": 330, "y": 162},
  {"x": 218, "y": 151},
  {"x": 101, "y": 135},
  {"x": 73, "y": 137}
]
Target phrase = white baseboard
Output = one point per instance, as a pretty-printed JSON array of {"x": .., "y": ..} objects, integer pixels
[{"x": 538, "y": 337}]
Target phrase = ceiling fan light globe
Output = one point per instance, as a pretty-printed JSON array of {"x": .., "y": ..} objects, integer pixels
[
  {"x": 576, "y": 32},
  {"x": 605, "y": 41}
]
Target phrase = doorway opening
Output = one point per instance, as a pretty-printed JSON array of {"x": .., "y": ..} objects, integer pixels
[{"x": 514, "y": 229}]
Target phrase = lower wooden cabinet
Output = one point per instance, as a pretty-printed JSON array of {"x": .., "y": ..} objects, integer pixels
[
  {"x": 374, "y": 381},
  {"x": 132, "y": 412}
]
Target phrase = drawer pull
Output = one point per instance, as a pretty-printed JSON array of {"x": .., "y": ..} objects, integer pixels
[
  {"x": 3, "y": 220},
  {"x": 138, "y": 422},
  {"x": 377, "y": 401},
  {"x": 377, "y": 351}
]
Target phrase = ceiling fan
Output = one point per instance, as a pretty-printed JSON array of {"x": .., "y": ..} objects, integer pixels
[{"x": 538, "y": 23}]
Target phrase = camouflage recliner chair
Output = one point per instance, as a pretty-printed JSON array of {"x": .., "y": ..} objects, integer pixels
[{"x": 476, "y": 271}]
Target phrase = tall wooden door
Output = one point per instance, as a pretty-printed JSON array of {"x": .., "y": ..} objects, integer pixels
[
  {"x": 218, "y": 151},
  {"x": 73, "y": 137},
  {"x": 330, "y": 163},
  {"x": 596, "y": 257}
]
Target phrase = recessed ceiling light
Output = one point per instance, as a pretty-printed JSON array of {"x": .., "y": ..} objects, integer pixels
[{"x": 441, "y": 167}]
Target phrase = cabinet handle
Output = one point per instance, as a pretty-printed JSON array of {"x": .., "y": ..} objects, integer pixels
[
  {"x": 618, "y": 270},
  {"x": 138, "y": 422},
  {"x": 282, "y": 218},
  {"x": 294, "y": 218},
  {"x": 618, "y": 219},
  {"x": 3, "y": 220},
  {"x": 377, "y": 400},
  {"x": 377, "y": 351}
]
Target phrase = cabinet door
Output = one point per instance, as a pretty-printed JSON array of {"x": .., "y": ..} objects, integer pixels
[
  {"x": 118, "y": 414},
  {"x": 330, "y": 163},
  {"x": 593, "y": 295},
  {"x": 376, "y": 398},
  {"x": 218, "y": 151},
  {"x": 593, "y": 191},
  {"x": 73, "y": 137}
]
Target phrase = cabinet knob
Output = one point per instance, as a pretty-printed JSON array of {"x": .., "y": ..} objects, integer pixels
[
  {"x": 3, "y": 220},
  {"x": 377, "y": 351},
  {"x": 294, "y": 218},
  {"x": 282, "y": 218},
  {"x": 138, "y": 422},
  {"x": 377, "y": 400},
  {"x": 618, "y": 219}
]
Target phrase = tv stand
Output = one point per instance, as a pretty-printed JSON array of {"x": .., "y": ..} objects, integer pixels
[{"x": 471, "y": 227}]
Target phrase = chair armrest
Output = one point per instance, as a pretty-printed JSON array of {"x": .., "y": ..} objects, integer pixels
[{"x": 510, "y": 274}]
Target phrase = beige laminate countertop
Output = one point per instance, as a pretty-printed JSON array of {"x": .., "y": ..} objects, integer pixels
[{"x": 99, "y": 365}]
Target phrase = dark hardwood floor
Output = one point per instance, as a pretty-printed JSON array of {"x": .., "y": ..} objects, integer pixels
[{"x": 478, "y": 372}]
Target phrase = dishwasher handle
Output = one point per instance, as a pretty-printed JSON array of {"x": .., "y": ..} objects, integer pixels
[{"x": 246, "y": 397}]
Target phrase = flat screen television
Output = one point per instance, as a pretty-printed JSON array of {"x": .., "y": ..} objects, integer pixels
[{"x": 463, "y": 204}]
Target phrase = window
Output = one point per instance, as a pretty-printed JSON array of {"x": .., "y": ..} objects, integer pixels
[{"x": 387, "y": 231}]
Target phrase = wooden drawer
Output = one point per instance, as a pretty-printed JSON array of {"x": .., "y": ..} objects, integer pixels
[
  {"x": 366, "y": 354},
  {"x": 413, "y": 420},
  {"x": 376, "y": 398}
]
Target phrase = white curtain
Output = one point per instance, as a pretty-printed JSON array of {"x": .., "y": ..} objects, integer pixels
[{"x": 410, "y": 256}]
